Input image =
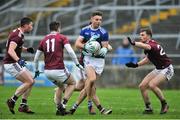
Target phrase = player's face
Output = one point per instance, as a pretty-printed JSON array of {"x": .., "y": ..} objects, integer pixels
[
  {"x": 28, "y": 27},
  {"x": 143, "y": 36},
  {"x": 96, "y": 21}
]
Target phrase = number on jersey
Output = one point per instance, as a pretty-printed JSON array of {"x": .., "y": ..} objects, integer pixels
[
  {"x": 161, "y": 50},
  {"x": 50, "y": 46}
]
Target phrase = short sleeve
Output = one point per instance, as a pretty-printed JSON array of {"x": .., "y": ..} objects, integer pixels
[
  {"x": 82, "y": 32},
  {"x": 15, "y": 39},
  {"x": 105, "y": 36},
  {"x": 153, "y": 46}
]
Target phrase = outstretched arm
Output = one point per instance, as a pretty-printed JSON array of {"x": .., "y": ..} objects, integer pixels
[
  {"x": 36, "y": 59},
  {"x": 143, "y": 61},
  {"x": 140, "y": 63},
  {"x": 29, "y": 49},
  {"x": 139, "y": 44}
]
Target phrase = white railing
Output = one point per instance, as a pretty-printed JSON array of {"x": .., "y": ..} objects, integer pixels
[
  {"x": 112, "y": 37},
  {"x": 7, "y": 4}
]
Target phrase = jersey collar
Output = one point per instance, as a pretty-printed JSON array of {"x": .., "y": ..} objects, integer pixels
[
  {"x": 53, "y": 32},
  {"x": 93, "y": 28},
  {"x": 21, "y": 31}
]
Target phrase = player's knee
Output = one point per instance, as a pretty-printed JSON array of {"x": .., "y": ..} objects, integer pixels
[
  {"x": 152, "y": 85},
  {"x": 92, "y": 79},
  {"x": 90, "y": 82},
  {"x": 142, "y": 87},
  {"x": 71, "y": 82},
  {"x": 31, "y": 82}
]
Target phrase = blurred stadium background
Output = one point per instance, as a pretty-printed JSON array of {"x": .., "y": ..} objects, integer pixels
[{"x": 121, "y": 18}]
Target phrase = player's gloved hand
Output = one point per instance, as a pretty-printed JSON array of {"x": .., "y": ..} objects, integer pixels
[
  {"x": 85, "y": 50},
  {"x": 86, "y": 53},
  {"x": 103, "y": 51},
  {"x": 132, "y": 42},
  {"x": 88, "y": 47},
  {"x": 131, "y": 64},
  {"x": 21, "y": 62},
  {"x": 37, "y": 73},
  {"x": 80, "y": 66},
  {"x": 30, "y": 50},
  {"x": 94, "y": 37}
]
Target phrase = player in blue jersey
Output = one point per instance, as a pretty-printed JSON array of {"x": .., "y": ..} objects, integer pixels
[{"x": 94, "y": 64}]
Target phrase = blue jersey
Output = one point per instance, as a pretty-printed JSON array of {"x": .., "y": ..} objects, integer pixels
[{"x": 87, "y": 32}]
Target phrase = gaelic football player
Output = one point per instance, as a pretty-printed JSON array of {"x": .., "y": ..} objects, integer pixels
[
  {"x": 15, "y": 65},
  {"x": 52, "y": 47},
  {"x": 94, "y": 64},
  {"x": 163, "y": 69},
  {"x": 80, "y": 84}
]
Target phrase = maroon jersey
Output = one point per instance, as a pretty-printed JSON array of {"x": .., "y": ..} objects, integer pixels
[
  {"x": 52, "y": 46},
  {"x": 157, "y": 55},
  {"x": 17, "y": 37},
  {"x": 81, "y": 59}
]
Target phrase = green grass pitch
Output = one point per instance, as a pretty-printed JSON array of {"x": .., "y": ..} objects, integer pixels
[{"x": 125, "y": 103}]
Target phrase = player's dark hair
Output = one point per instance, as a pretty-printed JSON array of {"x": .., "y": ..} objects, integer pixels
[
  {"x": 99, "y": 13},
  {"x": 54, "y": 26},
  {"x": 25, "y": 21},
  {"x": 147, "y": 30}
]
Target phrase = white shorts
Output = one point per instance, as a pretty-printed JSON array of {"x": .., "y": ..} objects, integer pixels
[
  {"x": 168, "y": 72},
  {"x": 58, "y": 77},
  {"x": 96, "y": 63},
  {"x": 80, "y": 74},
  {"x": 14, "y": 69}
]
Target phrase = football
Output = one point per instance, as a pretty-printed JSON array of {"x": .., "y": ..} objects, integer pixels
[{"x": 93, "y": 47}]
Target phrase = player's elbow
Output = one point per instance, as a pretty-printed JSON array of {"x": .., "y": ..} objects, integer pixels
[
  {"x": 147, "y": 47},
  {"x": 76, "y": 45}
]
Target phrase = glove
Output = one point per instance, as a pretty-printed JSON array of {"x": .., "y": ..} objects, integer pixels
[
  {"x": 87, "y": 49},
  {"x": 30, "y": 50},
  {"x": 37, "y": 73},
  {"x": 103, "y": 51},
  {"x": 85, "y": 53},
  {"x": 130, "y": 41},
  {"x": 22, "y": 62},
  {"x": 94, "y": 37},
  {"x": 133, "y": 65},
  {"x": 80, "y": 66}
]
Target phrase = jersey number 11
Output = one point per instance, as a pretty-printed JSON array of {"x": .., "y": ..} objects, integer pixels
[{"x": 52, "y": 45}]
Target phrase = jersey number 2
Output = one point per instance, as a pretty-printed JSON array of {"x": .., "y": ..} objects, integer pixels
[
  {"x": 161, "y": 50},
  {"x": 52, "y": 45}
]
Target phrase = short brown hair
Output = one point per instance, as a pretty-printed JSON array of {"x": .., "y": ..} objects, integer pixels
[
  {"x": 147, "y": 30},
  {"x": 99, "y": 13},
  {"x": 25, "y": 21},
  {"x": 54, "y": 26}
]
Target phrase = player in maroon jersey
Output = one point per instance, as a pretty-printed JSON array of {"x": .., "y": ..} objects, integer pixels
[
  {"x": 163, "y": 71},
  {"x": 52, "y": 46},
  {"x": 15, "y": 65}
]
